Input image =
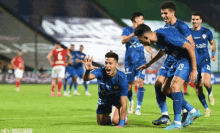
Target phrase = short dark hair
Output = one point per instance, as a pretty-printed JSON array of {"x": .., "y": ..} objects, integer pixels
[
  {"x": 196, "y": 13},
  {"x": 72, "y": 45},
  {"x": 141, "y": 29},
  {"x": 136, "y": 14},
  {"x": 58, "y": 43},
  {"x": 168, "y": 4},
  {"x": 111, "y": 55},
  {"x": 19, "y": 50},
  {"x": 81, "y": 45}
]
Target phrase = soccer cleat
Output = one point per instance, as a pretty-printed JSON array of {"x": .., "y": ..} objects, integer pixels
[
  {"x": 131, "y": 107},
  {"x": 173, "y": 126},
  {"x": 76, "y": 93},
  {"x": 59, "y": 94},
  {"x": 211, "y": 100},
  {"x": 184, "y": 116},
  {"x": 52, "y": 94},
  {"x": 191, "y": 117},
  {"x": 138, "y": 112},
  {"x": 17, "y": 89},
  {"x": 126, "y": 120},
  {"x": 164, "y": 119},
  {"x": 65, "y": 94},
  {"x": 207, "y": 112},
  {"x": 88, "y": 94}
]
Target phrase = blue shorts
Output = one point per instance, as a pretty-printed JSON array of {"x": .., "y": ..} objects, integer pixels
[
  {"x": 131, "y": 72},
  {"x": 69, "y": 72},
  {"x": 105, "y": 105},
  {"x": 163, "y": 71},
  {"x": 180, "y": 68},
  {"x": 79, "y": 73},
  {"x": 203, "y": 67},
  {"x": 165, "y": 67}
]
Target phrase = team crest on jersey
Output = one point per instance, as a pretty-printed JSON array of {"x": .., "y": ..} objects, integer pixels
[
  {"x": 115, "y": 87},
  {"x": 82, "y": 56},
  {"x": 204, "y": 36}
]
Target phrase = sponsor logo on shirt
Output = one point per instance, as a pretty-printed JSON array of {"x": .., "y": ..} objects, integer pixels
[
  {"x": 203, "y": 45},
  {"x": 196, "y": 37}
]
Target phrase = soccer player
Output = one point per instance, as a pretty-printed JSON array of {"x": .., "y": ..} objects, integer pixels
[
  {"x": 70, "y": 72},
  {"x": 18, "y": 63},
  {"x": 170, "y": 41},
  {"x": 78, "y": 66},
  {"x": 113, "y": 90},
  {"x": 201, "y": 38},
  {"x": 58, "y": 64},
  {"x": 134, "y": 57},
  {"x": 168, "y": 10}
]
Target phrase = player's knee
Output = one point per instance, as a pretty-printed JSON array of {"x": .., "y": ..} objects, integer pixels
[
  {"x": 158, "y": 83},
  {"x": 207, "y": 84},
  {"x": 175, "y": 87},
  {"x": 115, "y": 120},
  {"x": 141, "y": 83}
]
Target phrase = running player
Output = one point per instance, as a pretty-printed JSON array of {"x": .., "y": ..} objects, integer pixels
[
  {"x": 18, "y": 63},
  {"x": 170, "y": 41},
  {"x": 113, "y": 90},
  {"x": 58, "y": 64},
  {"x": 78, "y": 66},
  {"x": 201, "y": 37},
  {"x": 70, "y": 72},
  {"x": 134, "y": 57},
  {"x": 168, "y": 10}
]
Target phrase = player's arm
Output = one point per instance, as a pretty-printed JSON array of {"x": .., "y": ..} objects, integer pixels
[
  {"x": 157, "y": 57},
  {"x": 190, "y": 38},
  {"x": 89, "y": 67},
  {"x": 50, "y": 54},
  {"x": 213, "y": 48},
  {"x": 125, "y": 39},
  {"x": 69, "y": 55},
  {"x": 149, "y": 50},
  {"x": 12, "y": 63}
]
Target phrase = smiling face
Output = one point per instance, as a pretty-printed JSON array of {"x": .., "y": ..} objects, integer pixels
[
  {"x": 196, "y": 21},
  {"x": 72, "y": 48},
  {"x": 167, "y": 15},
  {"x": 111, "y": 66},
  {"x": 145, "y": 39}
]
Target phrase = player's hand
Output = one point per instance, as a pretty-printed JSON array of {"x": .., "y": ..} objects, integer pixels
[
  {"x": 143, "y": 67},
  {"x": 88, "y": 63},
  {"x": 213, "y": 57},
  {"x": 193, "y": 76},
  {"x": 119, "y": 127},
  {"x": 152, "y": 56}
]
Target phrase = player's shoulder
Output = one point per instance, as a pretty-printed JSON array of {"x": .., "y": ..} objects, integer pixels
[
  {"x": 205, "y": 29},
  {"x": 127, "y": 28},
  {"x": 181, "y": 22},
  {"x": 121, "y": 74}
]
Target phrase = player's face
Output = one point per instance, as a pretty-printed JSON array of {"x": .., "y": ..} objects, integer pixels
[
  {"x": 144, "y": 39},
  {"x": 139, "y": 20},
  {"x": 72, "y": 48},
  {"x": 110, "y": 66},
  {"x": 196, "y": 21},
  {"x": 81, "y": 49},
  {"x": 19, "y": 53},
  {"x": 167, "y": 15}
]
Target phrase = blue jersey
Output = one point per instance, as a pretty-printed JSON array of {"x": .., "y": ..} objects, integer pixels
[
  {"x": 183, "y": 28},
  {"x": 134, "y": 54},
  {"x": 114, "y": 87},
  {"x": 201, "y": 39},
  {"x": 73, "y": 58},
  {"x": 171, "y": 42},
  {"x": 79, "y": 56}
]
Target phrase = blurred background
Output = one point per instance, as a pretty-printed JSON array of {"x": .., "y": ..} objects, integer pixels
[{"x": 34, "y": 26}]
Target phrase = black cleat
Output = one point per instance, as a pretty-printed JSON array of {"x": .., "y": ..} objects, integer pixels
[
  {"x": 184, "y": 116},
  {"x": 164, "y": 119}
]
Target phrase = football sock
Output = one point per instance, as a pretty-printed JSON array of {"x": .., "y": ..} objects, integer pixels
[
  {"x": 161, "y": 100},
  {"x": 59, "y": 85},
  {"x": 17, "y": 84},
  {"x": 52, "y": 88},
  {"x": 203, "y": 101},
  {"x": 71, "y": 84},
  {"x": 64, "y": 87},
  {"x": 130, "y": 95},
  {"x": 75, "y": 86},
  {"x": 192, "y": 85},
  {"x": 86, "y": 86},
  {"x": 185, "y": 104},
  {"x": 184, "y": 88},
  {"x": 177, "y": 102},
  {"x": 210, "y": 91},
  {"x": 140, "y": 97}
]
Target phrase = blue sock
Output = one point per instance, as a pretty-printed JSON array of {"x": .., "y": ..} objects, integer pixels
[
  {"x": 185, "y": 104},
  {"x": 64, "y": 87},
  {"x": 161, "y": 100},
  {"x": 170, "y": 96},
  {"x": 130, "y": 96},
  {"x": 177, "y": 102},
  {"x": 140, "y": 97},
  {"x": 75, "y": 86},
  {"x": 71, "y": 84},
  {"x": 203, "y": 101},
  {"x": 209, "y": 90},
  {"x": 86, "y": 86}
]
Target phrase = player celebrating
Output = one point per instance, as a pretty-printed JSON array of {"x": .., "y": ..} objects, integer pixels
[
  {"x": 18, "y": 63},
  {"x": 80, "y": 70},
  {"x": 134, "y": 57},
  {"x": 170, "y": 41},
  {"x": 168, "y": 10},
  {"x": 201, "y": 37},
  {"x": 113, "y": 89},
  {"x": 70, "y": 72},
  {"x": 58, "y": 64}
]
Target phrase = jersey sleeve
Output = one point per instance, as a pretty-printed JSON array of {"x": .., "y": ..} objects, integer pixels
[
  {"x": 97, "y": 73},
  {"x": 176, "y": 40},
  {"x": 210, "y": 35},
  {"x": 123, "y": 85},
  {"x": 184, "y": 30},
  {"x": 125, "y": 32}
]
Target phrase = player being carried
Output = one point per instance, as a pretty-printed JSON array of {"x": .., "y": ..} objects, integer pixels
[
  {"x": 170, "y": 41},
  {"x": 112, "y": 90},
  {"x": 134, "y": 57},
  {"x": 201, "y": 38},
  {"x": 18, "y": 63},
  {"x": 59, "y": 63}
]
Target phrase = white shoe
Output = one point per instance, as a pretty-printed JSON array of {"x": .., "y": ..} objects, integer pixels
[
  {"x": 211, "y": 99},
  {"x": 138, "y": 112},
  {"x": 88, "y": 94},
  {"x": 17, "y": 89},
  {"x": 76, "y": 93},
  {"x": 207, "y": 112},
  {"x": 66, "y": 94},
  {"x": 131, "y": 107}
]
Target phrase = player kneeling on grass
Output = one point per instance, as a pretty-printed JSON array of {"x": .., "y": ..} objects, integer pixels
[{"x": 113, "y": 90}]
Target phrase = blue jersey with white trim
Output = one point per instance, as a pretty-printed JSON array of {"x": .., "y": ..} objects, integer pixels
[{"x": 79, "y": 56}]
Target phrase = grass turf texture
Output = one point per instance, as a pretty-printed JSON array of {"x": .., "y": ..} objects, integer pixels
[{"x": 33, "y": 107}]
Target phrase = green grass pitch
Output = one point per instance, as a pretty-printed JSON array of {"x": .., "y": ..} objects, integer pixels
[{"x": 33, "y": 107}]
